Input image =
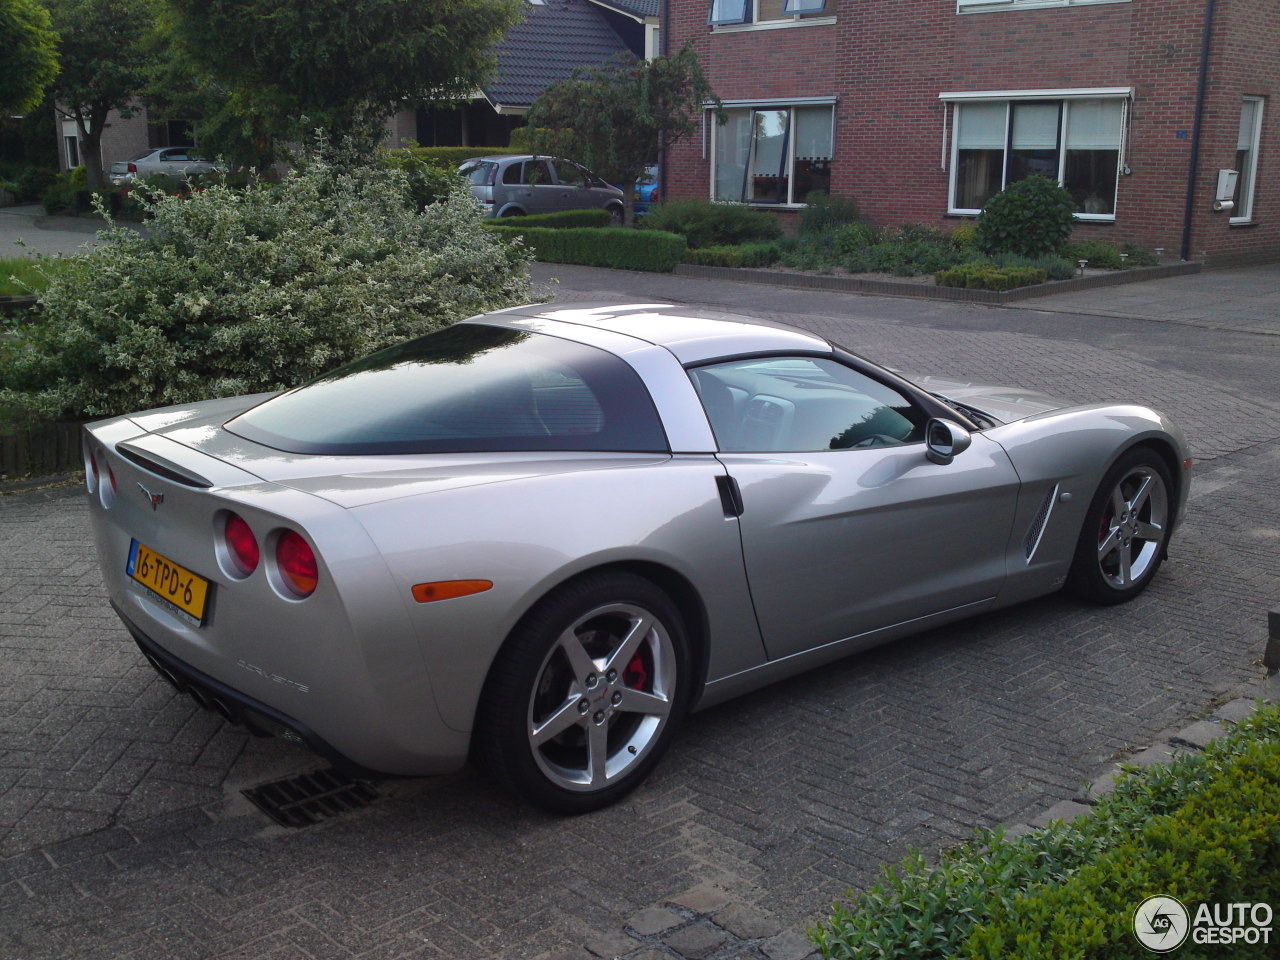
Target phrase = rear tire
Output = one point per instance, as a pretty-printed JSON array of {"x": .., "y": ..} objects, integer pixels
[
  {"x": 585, "y": 695},
  {"x": 1126, "y": 530}
]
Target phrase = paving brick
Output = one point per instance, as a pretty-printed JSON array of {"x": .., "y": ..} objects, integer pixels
[
  {"x": 788, "y": 945},
  {"x": 701, "y": 899},
  {"x": 1064, "y": 810},
  {"x": 653, "y": 920},
  {"x": 747, "y": 923},
  {"x": 696, "y": 941},
  {"x": 1200, "y": 734}
]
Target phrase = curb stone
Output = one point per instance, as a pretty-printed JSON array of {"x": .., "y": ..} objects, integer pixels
[{"x": 705, "y": 923}]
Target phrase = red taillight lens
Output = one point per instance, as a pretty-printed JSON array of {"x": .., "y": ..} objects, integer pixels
[
  {"x": 91, "y": 469},
  {"x": 297, "y": 563},
  {"x": 133, "y": 168},
  {"x": 111, "y": 477},
  {"x": 241, "y": 544}
]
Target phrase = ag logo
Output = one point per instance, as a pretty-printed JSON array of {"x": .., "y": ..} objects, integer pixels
[{"x": 1161, "y": 924}]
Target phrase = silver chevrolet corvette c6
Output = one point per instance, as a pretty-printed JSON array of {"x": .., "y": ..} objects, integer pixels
[{"x": 543, "y": 535}]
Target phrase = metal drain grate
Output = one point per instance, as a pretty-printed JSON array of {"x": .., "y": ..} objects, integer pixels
[{"x": 312, "y": 797}]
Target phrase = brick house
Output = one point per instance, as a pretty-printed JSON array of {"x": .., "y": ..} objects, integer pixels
[{"x": 921, "y": 109}]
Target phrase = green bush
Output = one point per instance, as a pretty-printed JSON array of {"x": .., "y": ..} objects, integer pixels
[
  {"x": 743, "y": 255},
  {"x": 965, "y": 236},
  {"x": 236, "y": 291},
  {"x": 60, "y": 194},
  {"x": 428, "y": 182},
  {"x": 618, "y": 247},
  {"x": 561, "y": 220},
  {"x": 1223, "y": 845},
  {"x": 1106, "y": 256},
  {"x": 985, "y": 275},
  {"x": 853, "y": 238},
  {"x": 448, "y": 158},
  {"x": 710, "y": 223},
  {"x": 1057, "y": 268},
  {"x": 824, "y": 213},
  {"x": 1202, "y": 827},
  {"x": 1031, "y": 217},
  {"x": 33, "y": 182}
]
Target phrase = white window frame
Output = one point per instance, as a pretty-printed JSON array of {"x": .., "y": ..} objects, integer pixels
[
  {"x": 1009, "y": 97},
  {"x": 752, "y": 21},
  {"x": 791, "y": 104},
  {"x": 992, "y": 6},
  {"x": 1246, "y": 202}
]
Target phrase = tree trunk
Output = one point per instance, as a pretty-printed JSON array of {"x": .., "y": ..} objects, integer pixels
[
  {"x": 629, "y": 205},
  {"x": 90, "y": 131}
]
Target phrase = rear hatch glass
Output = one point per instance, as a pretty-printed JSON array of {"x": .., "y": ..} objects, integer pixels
[
  {"x": 478, "y": 173},
  {"x": 468, "y": 388}
]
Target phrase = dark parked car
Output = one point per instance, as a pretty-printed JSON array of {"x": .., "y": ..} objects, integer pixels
[{"x": 513, "y": 186}]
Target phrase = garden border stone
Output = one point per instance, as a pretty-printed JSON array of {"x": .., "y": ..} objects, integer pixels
[{"x": 893, "y": 288}]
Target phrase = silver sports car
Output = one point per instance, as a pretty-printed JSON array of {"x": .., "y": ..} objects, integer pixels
[{"x": 542, "y": 536}]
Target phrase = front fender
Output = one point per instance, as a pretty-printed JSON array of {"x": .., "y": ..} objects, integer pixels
[{"x": 1061, "y": 457}]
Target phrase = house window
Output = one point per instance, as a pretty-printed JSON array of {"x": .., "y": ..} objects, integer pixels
[
  {"x": 1076, "y": 142},
  {"x": 773, "y": 154},
  {"x": 1247, "y": 158},
  {"x": 724, "y": 12},
  {"x": 982, "y": 6}
]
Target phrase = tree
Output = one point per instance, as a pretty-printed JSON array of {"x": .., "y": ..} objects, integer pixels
[
  {"x": 344, "y": 65},
  {"x": 28, "y": 57},
  {"x": 617, "y": 116},
  {"x": 105, "y": 62}
]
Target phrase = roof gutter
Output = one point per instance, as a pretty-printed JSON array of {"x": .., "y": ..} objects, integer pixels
[{"x": 1193, "y": 168}]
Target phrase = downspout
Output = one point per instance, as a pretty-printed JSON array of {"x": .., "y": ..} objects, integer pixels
[
  {"x": 1193, "y": 168},
  {"x": 664, "y": 28}
]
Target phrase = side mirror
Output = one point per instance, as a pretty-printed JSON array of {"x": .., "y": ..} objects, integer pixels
[{"x": 944, "y": 440}]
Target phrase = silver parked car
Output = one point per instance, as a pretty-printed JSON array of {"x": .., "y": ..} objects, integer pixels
[
  {"x": 540, "y": 537},
  {"x": 514, "y": 186},
  {"x": 176, "y": 162}
]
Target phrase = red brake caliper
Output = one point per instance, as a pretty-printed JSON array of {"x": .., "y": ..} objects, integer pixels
[{"x": 636, "y": 676}]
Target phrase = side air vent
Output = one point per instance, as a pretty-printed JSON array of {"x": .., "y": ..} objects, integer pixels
[
  {"x": 161, "y": 467},
  {"x": 1036, "y": 530}
]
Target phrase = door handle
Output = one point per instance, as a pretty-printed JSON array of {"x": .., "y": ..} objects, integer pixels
[{"x": 730, "y": 496}]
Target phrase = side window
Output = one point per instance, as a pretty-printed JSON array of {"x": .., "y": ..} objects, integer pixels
[
  {"x": 511, "y": 175},
  {"x": 802, "y": 404},
  {"x": 536, "y": 173},
  {"x": 570, "y": 174}
]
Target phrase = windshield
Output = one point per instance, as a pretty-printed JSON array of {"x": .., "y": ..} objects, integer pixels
[
  {"x": 478, "y": 173},
  {"x": 468, "y": 388}
]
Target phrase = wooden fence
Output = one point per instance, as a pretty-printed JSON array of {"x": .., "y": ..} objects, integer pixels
[{"x": 40, "y": 450}]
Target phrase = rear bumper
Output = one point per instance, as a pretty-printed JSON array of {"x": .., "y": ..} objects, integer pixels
[{"x": 239, "y": 709}]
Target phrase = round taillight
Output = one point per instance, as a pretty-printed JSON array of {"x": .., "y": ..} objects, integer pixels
[
  {"x": 242, "y": 545},
  {"x": 90, "y": 469},
  {"x": 297, "y": 563}
]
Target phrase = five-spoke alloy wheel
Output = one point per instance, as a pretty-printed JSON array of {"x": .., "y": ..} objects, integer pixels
[
  {"x": 1126, "y": 530},
  {"x": 586, "y": 693}
]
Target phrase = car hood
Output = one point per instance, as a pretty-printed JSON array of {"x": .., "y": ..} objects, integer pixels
[{"x": 1002, "y": 403}]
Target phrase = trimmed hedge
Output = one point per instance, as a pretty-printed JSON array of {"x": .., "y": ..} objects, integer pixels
[
  {"x": 617, "y": 247},
  {"x": 982, "y": 275},
  {"x": 745, "y": 255},
  {"x": 557, "y": 221},
  {"x": 1204, "y": 828},
  {"x": 1222, "y": 846},
  {"x": 452, "y": 156}
]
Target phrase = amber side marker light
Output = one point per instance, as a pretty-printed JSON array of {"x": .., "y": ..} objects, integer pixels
[
  {"x": 448, "y": 589},
  {"x": 1186, "y": 464}
]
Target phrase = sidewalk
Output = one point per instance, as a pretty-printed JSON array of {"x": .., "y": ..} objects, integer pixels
[
  {"x": 1245, "y": 299},
  {"x": 43, "y": 234}
]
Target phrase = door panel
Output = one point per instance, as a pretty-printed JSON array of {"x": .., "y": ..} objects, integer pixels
[{"x": 842, "y": 542}]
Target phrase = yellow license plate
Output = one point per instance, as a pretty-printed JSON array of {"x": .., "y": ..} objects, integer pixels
[{"x": 185, "y": 590}]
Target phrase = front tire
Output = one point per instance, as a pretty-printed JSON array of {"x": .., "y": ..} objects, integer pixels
[
  {"x": 1126, "y": 530},
  {"x": 584, "y": 697}
]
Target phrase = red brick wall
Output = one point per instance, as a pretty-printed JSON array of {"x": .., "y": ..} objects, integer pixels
[{"x": 888, "y": 62}]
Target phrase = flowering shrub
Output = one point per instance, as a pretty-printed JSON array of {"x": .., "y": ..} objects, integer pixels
[{"x": 238, "y": 291}]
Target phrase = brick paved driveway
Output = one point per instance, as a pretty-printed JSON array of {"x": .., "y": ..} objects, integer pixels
[{"x": 123, "y": 833}]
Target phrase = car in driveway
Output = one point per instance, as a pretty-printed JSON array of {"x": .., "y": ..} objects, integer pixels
[
  {"x": 176, "y": 162},
  {"x": 521, "y": 185},
  {"x": 541, "y": 536}
]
